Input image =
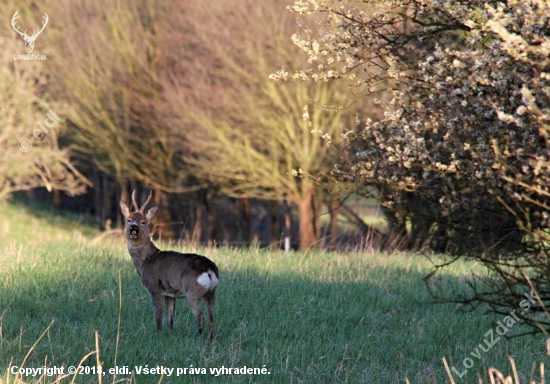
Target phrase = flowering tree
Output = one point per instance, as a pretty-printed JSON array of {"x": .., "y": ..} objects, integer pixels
[{"x": 464, "y": 140}]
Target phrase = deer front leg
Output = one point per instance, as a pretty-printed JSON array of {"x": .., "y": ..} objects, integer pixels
[{"x": 157, "y": 304}]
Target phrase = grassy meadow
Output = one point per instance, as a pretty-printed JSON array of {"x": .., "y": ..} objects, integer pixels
[{"x": 315, "y": 317}]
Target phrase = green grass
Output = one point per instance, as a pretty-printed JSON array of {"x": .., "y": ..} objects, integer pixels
[
  {"x": 307, "y": 317},
  {"x": 27, "y": 221}
]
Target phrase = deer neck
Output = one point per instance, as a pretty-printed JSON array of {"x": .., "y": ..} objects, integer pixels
[{"x": 140, "y": 252}]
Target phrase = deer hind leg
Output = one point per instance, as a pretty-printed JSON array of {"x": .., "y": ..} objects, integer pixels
[
  {"x": 157, "y": 304},
  {"x": 210, "y": 299},
  {"x": 194, "y": 304},
  {"x": 170, "y": 303}
]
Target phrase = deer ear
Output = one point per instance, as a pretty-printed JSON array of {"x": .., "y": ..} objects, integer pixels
[
  {"x": 151, "y": 213},
  {"x": 124, "y": 209}
]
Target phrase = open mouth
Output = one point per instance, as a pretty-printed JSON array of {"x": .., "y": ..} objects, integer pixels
[{"x": 134, "y": 231}]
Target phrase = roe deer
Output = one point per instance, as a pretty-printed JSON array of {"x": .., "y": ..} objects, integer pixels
[{"x": 169, "y": 274}]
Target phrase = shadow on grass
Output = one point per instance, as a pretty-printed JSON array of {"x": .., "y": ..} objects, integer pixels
[{"x": 60, "y": 218}]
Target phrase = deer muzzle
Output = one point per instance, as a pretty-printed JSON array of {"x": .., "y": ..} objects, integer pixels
[{"x": 133, "y": 230}]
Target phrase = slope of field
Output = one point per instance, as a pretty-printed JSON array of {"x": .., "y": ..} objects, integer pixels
[{"x": 312, "y": 317}]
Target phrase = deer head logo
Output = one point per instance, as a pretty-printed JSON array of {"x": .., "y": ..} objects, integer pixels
[{"x": 29, "y": 40}]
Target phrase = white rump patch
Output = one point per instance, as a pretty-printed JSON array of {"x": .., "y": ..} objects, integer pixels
[
  {"x": 204, "y": 280},
  {"x": 213, "y": 278},
  {"x": 208, "y": 280}
]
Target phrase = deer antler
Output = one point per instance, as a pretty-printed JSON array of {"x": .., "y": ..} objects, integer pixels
[
  {"x": 136, "y": 207},
  {"x": 146, "y": 202}
]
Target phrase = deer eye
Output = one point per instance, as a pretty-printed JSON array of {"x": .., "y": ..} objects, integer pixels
[
  {"x": 129, "y": 220},
  {"x": 143, "y": 223}
]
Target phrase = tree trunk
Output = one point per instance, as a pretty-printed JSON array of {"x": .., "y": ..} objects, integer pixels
[
  {"x": 274, "y": 223},
  {"x": 334, "y": 210},
  {"x": 96, "y": 193},
  {"x": 57, "y": 198},
  {"x": 197, "y": 230},
  {"x": 107, "y": 195},
  {"x": 165, "y": 229},
  {"x": 124, "y": 196},
  {"x": 287, "y": 230},
  {"x": 208, "y": 200},
  {"x": 316, "y": 205},
  {"x": 247, "y": 236},
  {"x": 307, "y": 235}
]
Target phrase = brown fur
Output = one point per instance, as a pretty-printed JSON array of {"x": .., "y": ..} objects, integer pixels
[{"x": 169, "y": 274}]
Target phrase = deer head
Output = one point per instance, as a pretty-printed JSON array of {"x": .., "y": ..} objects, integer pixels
[
  {"x": 29, "y": 40},
  {"x": 136, "y": 222}
]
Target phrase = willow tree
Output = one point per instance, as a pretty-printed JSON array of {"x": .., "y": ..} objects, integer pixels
[
  {"x": 112, "y": 94},
  {"x": 253, "y": 136}
]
